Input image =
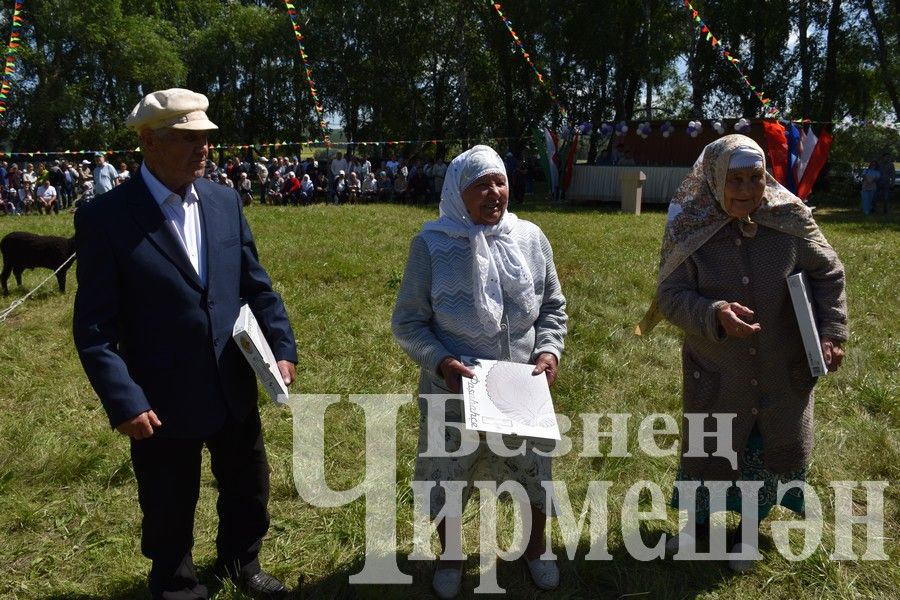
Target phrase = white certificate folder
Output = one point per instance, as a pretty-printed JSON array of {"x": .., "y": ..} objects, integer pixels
[
  {"x": 504, "y": 397},
  {"x": 256, "y": 349},
  {"x": 801, "y": 296}
]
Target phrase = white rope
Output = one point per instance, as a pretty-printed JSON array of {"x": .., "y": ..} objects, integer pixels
[{"x": 21, "y": 300}]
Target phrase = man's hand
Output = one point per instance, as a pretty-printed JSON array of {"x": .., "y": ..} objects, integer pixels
[
  {"x": 452, "y": 371},
  {"x": 546, "y": 363},
  {"x": 288, "y": 371},
  {"x": 141, "y": 426},
  {"x": 729, "y": 317},
  {"x": 832, "y": 352}
]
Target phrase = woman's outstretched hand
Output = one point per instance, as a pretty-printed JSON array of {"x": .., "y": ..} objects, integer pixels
[{"x": 729, "y": 317}]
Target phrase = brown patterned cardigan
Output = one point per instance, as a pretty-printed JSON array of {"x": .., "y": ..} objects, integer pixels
[{"x": 764, "y": 378}]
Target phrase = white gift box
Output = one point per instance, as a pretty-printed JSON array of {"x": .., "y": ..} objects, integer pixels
[
  {"x": 253, "y": 344},
  {"x": 798, "y": 284}
]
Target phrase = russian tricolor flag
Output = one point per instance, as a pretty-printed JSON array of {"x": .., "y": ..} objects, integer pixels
[
  {"x": 797, "y": 157},
  {"x": 556, "y": 155}
]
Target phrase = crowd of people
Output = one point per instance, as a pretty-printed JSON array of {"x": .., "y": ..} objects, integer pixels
[
  {"x": 345, "y": 179},
  {"x": 48, "y": 187},
  {"x": 339, "y": 180}
]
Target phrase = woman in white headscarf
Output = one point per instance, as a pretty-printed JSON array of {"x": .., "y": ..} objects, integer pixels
[
  {"x": 479, "y": 282},
  {"x": 306, "y": 189},
  {"x": 733, "y": 237}
]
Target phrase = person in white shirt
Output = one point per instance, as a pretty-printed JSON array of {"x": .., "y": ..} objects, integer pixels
[
  {"x": 123, "y": 174},
  {"x": 46, "y": 195},
  {"x": 105, "y": 175}
]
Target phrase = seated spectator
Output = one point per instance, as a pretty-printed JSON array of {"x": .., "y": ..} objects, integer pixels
[
  {"x": 307, "y": 190},
  {"x": 320, "y": 189},
  {"x": 400, "y": 186},
  {"x": 354, "y": 188},
  {"x": 369, "y": 188},
  {"x": 46, "y": 198},
  {"x": 290, "y": 189},
  {"x": 245, "y": 189},
  {"x": 26, "y": 197},
  {"x": 385, "y": 187},
  {"x": 274, "y": 196},
  {"x": 7, "y": 207},
  {"x": 340, "y": 187}
]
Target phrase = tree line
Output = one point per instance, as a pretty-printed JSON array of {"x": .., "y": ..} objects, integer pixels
[{"x": 439, "y": 70}]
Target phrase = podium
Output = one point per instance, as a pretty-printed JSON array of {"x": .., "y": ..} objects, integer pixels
[{"x": 631, "y": 184}]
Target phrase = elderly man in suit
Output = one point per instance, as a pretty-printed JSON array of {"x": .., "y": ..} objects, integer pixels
[{"x": 165, "y": 261}]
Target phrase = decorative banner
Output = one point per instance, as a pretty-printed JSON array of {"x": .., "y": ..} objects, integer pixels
[
  {"x": 771, "y": 110},
  {"x": 527, "y": 57},
  {"x": 12, "y": 49},
  {"x": 307, "y": 69}
]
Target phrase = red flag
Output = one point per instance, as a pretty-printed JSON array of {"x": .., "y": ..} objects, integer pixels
[
  {"x": 814, "y": 167},
  {"x": 777, "y": 145}
]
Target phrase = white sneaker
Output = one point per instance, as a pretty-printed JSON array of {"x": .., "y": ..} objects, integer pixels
[
  {"x": 544, "y": 573},
  {"x": 446, "y": 582},
  {"x": 739, "y": 565}
]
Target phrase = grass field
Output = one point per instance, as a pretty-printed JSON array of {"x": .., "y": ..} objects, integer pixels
[{"x": 69, "y": 520}]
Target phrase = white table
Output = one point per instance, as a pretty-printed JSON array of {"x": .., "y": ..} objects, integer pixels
[{"x": 601, "y": 183}]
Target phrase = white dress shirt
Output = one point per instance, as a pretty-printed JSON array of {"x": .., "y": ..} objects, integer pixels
[{"x": 183, "y": 216}]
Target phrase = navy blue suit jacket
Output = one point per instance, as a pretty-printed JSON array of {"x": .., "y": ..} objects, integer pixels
[{"x": 149, "y": 334}]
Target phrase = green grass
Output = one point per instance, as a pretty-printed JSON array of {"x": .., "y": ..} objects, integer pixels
[{"x": 69, "y": 520}]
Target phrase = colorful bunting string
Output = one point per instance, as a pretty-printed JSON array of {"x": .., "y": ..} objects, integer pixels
[
  {"x": 307, "y": 68},
  {"x": 323, "y": 143},
  {"x": 771, "y": 110},
  {"x": 9, "y": 67},
  {"x": 540, "y": 76}
]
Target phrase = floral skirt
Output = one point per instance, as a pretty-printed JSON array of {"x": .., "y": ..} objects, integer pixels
[
  {"x": 753, "y": 469},
  {"x": 529, "y": 470}
]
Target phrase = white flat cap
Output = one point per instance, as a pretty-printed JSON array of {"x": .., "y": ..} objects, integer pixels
[{"x": 176, "y": 108}]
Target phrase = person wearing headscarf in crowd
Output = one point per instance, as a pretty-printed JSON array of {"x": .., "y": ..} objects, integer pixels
[
  {"x": 369, "y": 187},
  {"x": 340, "y": 186},
  {"x": 733, "y": 237},
  {"x": 479, "y": 282},
  {"x": 245, "y": 188},
  {"x": 354, "y": 187},
  {"x": 306, "y": 190}
]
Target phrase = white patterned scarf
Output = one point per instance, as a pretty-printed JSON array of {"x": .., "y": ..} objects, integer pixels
[{"x": 497, "y": 261}]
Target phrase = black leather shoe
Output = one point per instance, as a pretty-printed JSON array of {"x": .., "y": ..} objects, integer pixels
[{"x": 263, "y": 586}]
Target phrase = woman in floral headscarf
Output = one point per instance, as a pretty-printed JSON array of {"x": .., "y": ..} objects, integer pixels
[
  {"x": 479, "y": 282},
  {"x": 733, "y": 237}
]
